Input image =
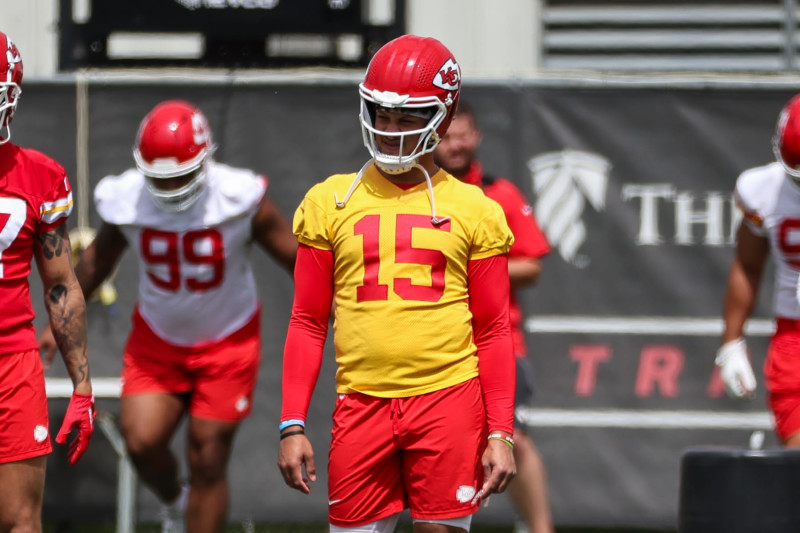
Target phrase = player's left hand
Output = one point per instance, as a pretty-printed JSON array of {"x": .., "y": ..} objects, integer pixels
[
  {"x": 80, "y": 415},
  {"x": 498, "y": 467},
  {"x": 735, "y": 369}
]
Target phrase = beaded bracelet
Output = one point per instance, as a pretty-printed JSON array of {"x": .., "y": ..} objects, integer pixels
[
  {"x": 502, "y": 437},
  {"x": 290, "y": 433}
]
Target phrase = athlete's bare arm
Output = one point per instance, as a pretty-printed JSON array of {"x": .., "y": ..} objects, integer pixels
[
  {"x": 524, "y": 271},
  {"x": 95, "y": 264},
  {"x": 64, "y": 303},
  {"x": 744, "y": 280},
  {"x": 273, "y": 232},
  {"x": 99, "y": 259}
]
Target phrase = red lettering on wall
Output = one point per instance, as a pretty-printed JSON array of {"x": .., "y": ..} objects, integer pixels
[
  {"x": 588, "y": 358},
  {"x": 662, "y": 365}
]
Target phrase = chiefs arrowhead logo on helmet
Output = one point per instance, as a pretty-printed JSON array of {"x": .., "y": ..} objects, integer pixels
[{"x": 448, "y": 77}]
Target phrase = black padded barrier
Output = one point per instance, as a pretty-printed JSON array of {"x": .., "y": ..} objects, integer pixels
[{"x": 737, "y": 490}]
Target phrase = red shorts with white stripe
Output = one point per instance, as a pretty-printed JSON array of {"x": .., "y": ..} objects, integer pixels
[
  {"x": 220, "y": 376},
  {"x": 782, "y": 376},
  {"x": 23, "y": 407},
  {"x": 421, "y": 452}
]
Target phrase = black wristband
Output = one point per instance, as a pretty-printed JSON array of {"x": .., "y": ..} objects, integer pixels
[{"x": 290, "y": 433}]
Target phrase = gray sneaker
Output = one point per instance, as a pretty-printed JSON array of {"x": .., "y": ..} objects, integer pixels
[{"x": 172, "y": 514}]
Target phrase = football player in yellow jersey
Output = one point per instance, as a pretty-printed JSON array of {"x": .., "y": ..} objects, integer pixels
[{"x": 416, "y": 263}]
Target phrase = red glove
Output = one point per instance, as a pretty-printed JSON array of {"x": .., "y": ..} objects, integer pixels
[{"x": 80, "y": 415}]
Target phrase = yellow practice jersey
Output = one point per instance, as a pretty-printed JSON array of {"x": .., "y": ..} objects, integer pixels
[{"x": 402, "y": 320}]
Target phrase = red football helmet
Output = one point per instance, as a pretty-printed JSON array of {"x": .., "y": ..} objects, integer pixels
[
  {"x": 174, "y": 140},
  {"x": 10, "y": 81},
  {"x": 412, "y": 74},
  {"x": 786, "y": 143}
]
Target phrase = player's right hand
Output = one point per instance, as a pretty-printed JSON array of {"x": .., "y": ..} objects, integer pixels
[
  {"x": 294, "y": 454},
  {"x": 47, "y": 345},
  {"x": 735, "y": 369}
]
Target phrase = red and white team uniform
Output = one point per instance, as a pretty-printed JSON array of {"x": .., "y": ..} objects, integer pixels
[
  {"x": 770, "y": 202},
  {"x": 197, "y": 293},
  {"x": 35, "y": 197},
  {"x": 407, "y": 341}
]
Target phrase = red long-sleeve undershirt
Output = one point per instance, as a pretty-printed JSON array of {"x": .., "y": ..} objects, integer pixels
[{"x": 488, "y": 287}]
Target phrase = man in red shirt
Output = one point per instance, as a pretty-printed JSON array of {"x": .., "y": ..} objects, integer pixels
[
  {"x": 457, "y": 155},
  {"x": 35, "y": 201}
]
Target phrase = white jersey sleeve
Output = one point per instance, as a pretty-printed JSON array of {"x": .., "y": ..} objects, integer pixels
[
  {"x": 196, "y": 284},
  {"x": 117, "y": 198},
  {"x": 770, "y": 203}
]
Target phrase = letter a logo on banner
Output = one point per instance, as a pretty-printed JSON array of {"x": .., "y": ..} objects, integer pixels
[{"x": 563, "y": 182}]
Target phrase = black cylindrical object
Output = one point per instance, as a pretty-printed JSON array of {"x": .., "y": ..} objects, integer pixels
[{"x": 736, "y": 490}]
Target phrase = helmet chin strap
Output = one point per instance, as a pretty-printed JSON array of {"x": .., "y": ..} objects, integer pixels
[
  {"x": 353, "y": 185},
  {"x": 434, "y": 218}
]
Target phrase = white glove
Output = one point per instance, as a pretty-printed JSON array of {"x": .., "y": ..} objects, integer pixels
[{"x": 735, "y": 369}]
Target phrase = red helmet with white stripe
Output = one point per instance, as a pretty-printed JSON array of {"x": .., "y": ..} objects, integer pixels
[
  {"x": 10, "y": 82},
  {"x": 414, "y": 75},
  {"x": 174, "y": 141}
]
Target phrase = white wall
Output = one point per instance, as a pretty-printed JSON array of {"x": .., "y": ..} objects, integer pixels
[
  {"x": 497, "y": 38},
  {"x": 33, "y": 26}
]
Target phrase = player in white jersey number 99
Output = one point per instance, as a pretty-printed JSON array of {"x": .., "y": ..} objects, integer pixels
[{"x": 194, "y": 347}]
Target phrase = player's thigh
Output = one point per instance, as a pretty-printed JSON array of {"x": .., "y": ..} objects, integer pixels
[
  {"x": 364, "y": 464},
  {"x": 209, "y": 446},
  {"x": 22, "y": 490},
  {"x": 149, "y": 420},
  {"x": 225, "y": 376},
  {"x": 442, "y": 449},
  {"x": 785, "y": 408},
  {"x": 151, "y": 365},
  {"x": 782, "y": 374},
  {"x": 23, "y": 407}
]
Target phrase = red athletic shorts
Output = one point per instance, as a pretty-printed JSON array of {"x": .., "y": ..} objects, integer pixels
[
  {"x": 421, "y": 452},
  {"x": 23, "y": 407},
  {"x": 220, "y": 376},
  {"x": 782, "y": 375}
]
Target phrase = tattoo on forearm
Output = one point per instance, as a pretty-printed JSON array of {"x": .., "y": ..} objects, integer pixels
[
  {"x": 58, "y": 293},
  {"x": 68, "y": 323},
  {"x": 53, "y": 244},
  {"x": 71, "y": 340}
]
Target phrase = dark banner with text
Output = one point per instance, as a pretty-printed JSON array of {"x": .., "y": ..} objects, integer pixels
[{"x": 632, "y": 186}]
